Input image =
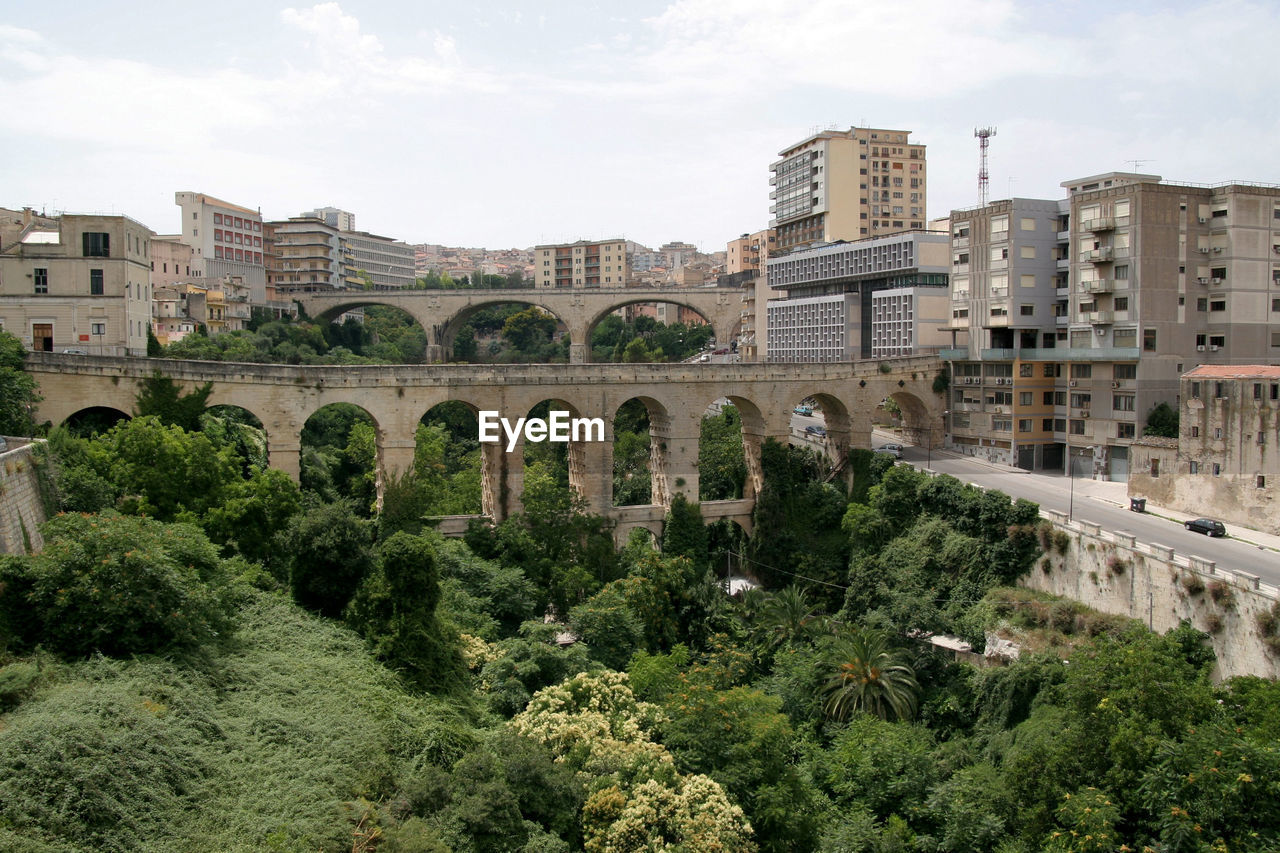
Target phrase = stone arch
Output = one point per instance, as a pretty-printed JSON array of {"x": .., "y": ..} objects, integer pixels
[
  {"x": 665, "y": 298},
  {"x": 587, "y": 457},
  {"x": 920, "y": 425},
  {"x": 755, "y": 429},
  {"x": 444, "y": 332},
  {"x": 658, "y": 422},
  {"x": 94, "y": 419},
  {"x": 241, "y": 429},
  {"x": 318, "y": 440},
  {"x": 459, "y": 420}
]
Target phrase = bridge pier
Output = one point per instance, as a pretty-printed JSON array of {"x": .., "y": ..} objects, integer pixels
[
  {"x": 435, "y": 354},
  {"x": 579, "y": 353},
  {"x": 591, "y": 474},
  {"x": 501, "y": 481},
  {"x": 286, "y": 458}
]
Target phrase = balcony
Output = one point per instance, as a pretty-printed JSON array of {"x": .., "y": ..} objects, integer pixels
[
  {"x": 960, "y": 242},
  {"x": 1097, "y": 285},
  {"x": 1102, "y": 318},
  {"x": 1096, "y": 354},
  {"x": 999, "y": 236},
  {"x": 997, "y": 354},
  {"x": 1100, "y": 223},
  {"x": 1097, "y": 256},
  {"x": 958, "y": 354}
]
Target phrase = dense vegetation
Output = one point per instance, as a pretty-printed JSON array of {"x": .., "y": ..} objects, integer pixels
[{"x": 207, "y": 656}]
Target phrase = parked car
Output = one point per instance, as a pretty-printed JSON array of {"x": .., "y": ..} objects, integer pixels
[
  {"x": 803, "y": 410},
  {"x": 815, "y": 430},
  {"x": 75, "y": 351},
  {"x": 722, "y": 351},
  {"x": 704, "y": 357},
  {"x": 1207, "y": 526},
  {"x": 894, "y": 450}
]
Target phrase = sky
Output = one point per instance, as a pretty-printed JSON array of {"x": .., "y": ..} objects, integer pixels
[{"x": 508, "y": 124}]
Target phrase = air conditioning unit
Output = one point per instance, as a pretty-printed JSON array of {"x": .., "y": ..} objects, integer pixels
[
  {"x": 1085, "y": 413},
  {"x": 1199, "y": 347},
  {"x": 1204, "y": 250},
  {"x": 1217, "y": 280},
  {"x": 1073, "y": 383},
  {"x": 1203, "y": 220},
  {"x": 1217, "y": 250},
  {"x": 1213, "y": 347},
  {"x": 1203, "y": 280},
  {"x": 1100, "y": 331},
  {"x": 1115, "y": 384}
]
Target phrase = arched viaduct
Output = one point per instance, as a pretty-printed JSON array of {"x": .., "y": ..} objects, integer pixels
[
  {"x": 283, "y": 397},
  {"x": 442, "y": 312}
]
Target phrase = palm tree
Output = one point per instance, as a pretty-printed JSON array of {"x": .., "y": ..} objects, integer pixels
[
  {"x": 787, "y": 616},
  {"x": 871, "y": 677}
]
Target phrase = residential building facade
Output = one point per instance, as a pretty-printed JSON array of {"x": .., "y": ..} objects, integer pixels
[
  {"x": 827, "y": 312},
  {"x": 749, "y": 252},
  {"x": 84, "y": 286},
  {"x": 908, "y": 321},
  {"x": 1153, "y": 278},
  {"x": 225, "y": 239},
  {"x": 581, "y": 264},
  {"x": 1225, "y": 462},
  {"x": 305, "y": 255},
  {"x": 848, "y": 185}
]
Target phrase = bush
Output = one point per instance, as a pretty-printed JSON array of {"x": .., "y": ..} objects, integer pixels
[
  {"x": 116, "y": 585},
  {"x": 1222, "y": 594},
  {"x": 1192, "y": 584}
]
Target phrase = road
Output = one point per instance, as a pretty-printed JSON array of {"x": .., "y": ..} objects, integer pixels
[{"x": 1096, "y": 502}]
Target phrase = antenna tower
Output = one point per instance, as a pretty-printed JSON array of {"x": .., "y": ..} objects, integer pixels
[{"x": 984, "y": 135}]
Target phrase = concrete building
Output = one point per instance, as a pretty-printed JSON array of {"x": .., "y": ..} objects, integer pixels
[
  {"x": 581, "y": 264},
  {"x": 225, "y": 240},
  {"x": 749, "y": 252},
  {"x": 171, "y": 262},
  {"x": 1008, "y": 316},
  {"x": 368, "y": 259},
  {"x": 169, "y": 318},
  {"x": 306, "y": 255},
  {"x": 848, "y": 185},
  {"x": 1226, "y": 460},
  {"x": 84, "y": 286},
  {"x": 908, "y": 321},
  {"x": 827, "y": 312},
  {"x": 1152, "y": 278},
  {"x": 343, "y": 220}
]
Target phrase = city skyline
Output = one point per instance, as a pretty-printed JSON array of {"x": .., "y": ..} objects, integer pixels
[{"x": 500, "y": 126}]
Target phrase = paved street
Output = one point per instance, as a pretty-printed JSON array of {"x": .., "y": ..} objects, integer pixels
[{"x": 1107, "y": 504}]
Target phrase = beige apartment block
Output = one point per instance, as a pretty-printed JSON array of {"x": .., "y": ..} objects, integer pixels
[
  {"x": 848, "y": 185},
  {"x": 749, "y": 252},
  {"x": 1224, "y": 463},
  {"x": 171, "y": 262},
  {"x": 582, "y": 264},
  {"x": 226, "y": 240},
  {"x": 84, "y": 285},
  {"x": 304, "y": 255},
  {"x": 909, "y": 321}
]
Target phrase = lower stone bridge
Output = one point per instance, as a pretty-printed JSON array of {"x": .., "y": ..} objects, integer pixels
[{"x": 396, "y": 397}]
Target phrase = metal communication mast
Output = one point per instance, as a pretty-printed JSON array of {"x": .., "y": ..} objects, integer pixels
[{"x": 984, "y": 135}]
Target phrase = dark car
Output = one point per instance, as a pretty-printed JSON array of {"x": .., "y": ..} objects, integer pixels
[
  {"x": 1207, "y": 526},
  {"x": 721, "y": 351},
  {"x": 815, "y": 430}
]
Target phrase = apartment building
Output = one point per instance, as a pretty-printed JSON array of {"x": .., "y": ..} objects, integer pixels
[
  {"x": 749, "y": 252},
  {"x": 369, "y": 259},
  {"x": 847, "y": 185},
  {"x": 1159, "y": 277},
  {"x": 305, "y": 255},
  {"x": 225, "y": 240},
  {"x": 82, "y": 286},
  {"x": 581, "y": 264},
  {"x": 827, "y": 312},
  {"x": 1224, "y": 461},
  {"x": 908, "y": 321}
]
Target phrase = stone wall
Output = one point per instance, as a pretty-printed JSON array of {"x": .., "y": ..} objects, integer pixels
[
  {"x": 21, "y": 509},
  {"x": 1114, "y": 574}
]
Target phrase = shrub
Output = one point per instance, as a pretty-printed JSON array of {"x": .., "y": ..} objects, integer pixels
[
  {"x": 1213, "y": 623},
  {"x": 1192, "y": 584},
  {"x": 1117, "y": 565},
  {"x": 117, "y": 585},
  {"x": 1222, "y": 594},
  {"x": 1061, "y": 541}
]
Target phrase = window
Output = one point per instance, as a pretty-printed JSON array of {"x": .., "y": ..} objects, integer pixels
[
  {"x": 1028, "y": 252},
  {"x": 1026, "y": 398},
  {"x": 96, "y": 244},
  {"x": 1027, "y": 224},
  {"x": 1122, "y": 303},
  {"x": 1219, "y": 391},
  {"x": 1262, "y": 482},
  {"x": 1195, "y": 431},
  {"x": 41, "y": 277},
  {"x": 1081, "y": 401},
  {"x": 1025, "y": 370},
  {"x": 1026, "y": 310},
  {"x": 1126, "y": 371},
  {"x": 97, "y": 329},
  {"x": 1202, "y": 304},
  {"x": 1122, "y": 402},
  {"x": 1217, "y": 469},
  {"x": 1024, "y": 425},
  {"x": 1195, "y": 390},
  {"x": 1077, "y": 427},
  {"x": 1218, "y": 305},
  {"x": 1082, "y": 371},
  {"x": 1125, "y": 430},
  {"x": 1046, "y": 424},
  {"x": 1155, "y": 468},
  {"x": 95, "y": 282},
  {"x": 1257, "y": 390},
  {"x": 1050, "y": 371},
  {"x": 1047, "y": 398},
  {"x": 1149, "y": 340},
  {"x": 1002, "y": 425},
  {"x": 1059, "y": 398},
  {"x": 1193, "y": 468}
]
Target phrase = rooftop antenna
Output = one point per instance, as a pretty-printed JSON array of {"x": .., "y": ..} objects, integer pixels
[
  {"x": 1137, "y": 164},
  {"x": 984, "y": 135}
]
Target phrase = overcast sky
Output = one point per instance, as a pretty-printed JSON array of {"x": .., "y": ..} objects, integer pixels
[{"x": 498, "y": 123}]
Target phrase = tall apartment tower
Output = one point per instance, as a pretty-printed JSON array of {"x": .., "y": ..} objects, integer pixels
[
  {"x": 581, "y": 264},
  {"x": 847, "y": 185},
  {"x": 225, "y": 240},
  {"x": 1160, "y": 277}
]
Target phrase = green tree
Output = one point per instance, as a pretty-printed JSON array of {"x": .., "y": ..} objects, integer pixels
[
  {"x": 788, "y": 618},
  {"x": 684, "y": 534},
  {"x": 872, "y": 678},
  {"x": 160, "y": 396},
  {"x": 528, "y": 330},
  {"x": 118, "y": 586},
  {"x": 1162, "y": 421},
  {"x": 608, "y": 626},
  {"x": 18, "y": 394},
  {"x": 331, "y": 552},
  {"x": 254, "y": 513}
]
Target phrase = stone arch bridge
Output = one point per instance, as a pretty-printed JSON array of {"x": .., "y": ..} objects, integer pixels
[
  {"x": 442, "y": 312},
  {"x": 283, "y": 397}
]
